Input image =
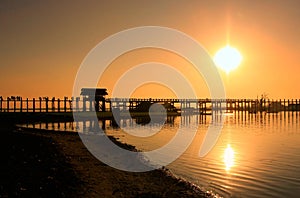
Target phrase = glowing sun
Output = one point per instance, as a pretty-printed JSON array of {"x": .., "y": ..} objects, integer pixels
[{"x": 228, "y": 58}]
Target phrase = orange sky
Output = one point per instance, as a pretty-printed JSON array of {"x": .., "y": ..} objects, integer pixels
[{"x": 44, "y": 42}]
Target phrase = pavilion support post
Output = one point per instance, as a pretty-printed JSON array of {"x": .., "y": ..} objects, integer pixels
[{"x": 77, "y": 103}]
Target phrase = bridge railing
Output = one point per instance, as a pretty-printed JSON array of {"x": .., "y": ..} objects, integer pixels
[
  {"x": 47, "y": 104},
  {"x": 41, "y": 104}
]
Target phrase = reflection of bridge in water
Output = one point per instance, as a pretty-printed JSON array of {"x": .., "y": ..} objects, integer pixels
[{"x": 239, "y": 117}]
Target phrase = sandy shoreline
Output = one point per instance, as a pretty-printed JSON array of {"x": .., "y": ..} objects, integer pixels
[{"x": 59, "y": 165}]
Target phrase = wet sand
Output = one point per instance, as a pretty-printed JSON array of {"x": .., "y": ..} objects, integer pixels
[{"x": 57, "y": 164}]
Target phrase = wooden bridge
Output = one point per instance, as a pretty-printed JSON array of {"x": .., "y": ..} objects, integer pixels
[{"x": 101, "y": 104}]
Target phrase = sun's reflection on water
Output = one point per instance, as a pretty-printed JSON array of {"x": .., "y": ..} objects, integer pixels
[{"x": 228, "y": 157}]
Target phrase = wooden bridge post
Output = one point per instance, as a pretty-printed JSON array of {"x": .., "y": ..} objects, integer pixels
[
  {"x": 130, "y": 105},
  {"x": 21, "y": 104},
  {"x": 280, "y": 105},
  {"x": 65, "y": 104},
  {"x": 271, "y": 108},
  {"x": 293, "y": 106},
  {"x": 124, "y": 104},
  {"x": 53, "y": 104},
  {"x": 84, "y": 104},
  {"x": 47, "y": 100},
  {"x": 234, "y": 108},
  {"x": 180, "y": 106},
  {"x": 103, "y": 104},
  {"x": 58, "y": 105},
  {"x": 7, "y": 103},
  {"x": 40, "y": 104},
  {"x": 248, "y": 108},
  {"x": 242, "y": 105},
  {"x": 14, "y": 100},
  {"x": 71, "y": 104},
  {"x": 200, "y": 107},
  {"x": 27, "y": 104},
  {"x": 33, "y": 105},
  {"x": 249, "y": 105},
  {"x": 297, "y": 107},
  {"x": 91, "y": 104},
  {"x": 216, "y": 105}
]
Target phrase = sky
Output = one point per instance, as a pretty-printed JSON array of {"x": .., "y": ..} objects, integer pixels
[{"x": 43, "y": 43}]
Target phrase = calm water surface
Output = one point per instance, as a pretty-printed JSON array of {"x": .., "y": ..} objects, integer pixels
[{"x": 256, "y": 155}]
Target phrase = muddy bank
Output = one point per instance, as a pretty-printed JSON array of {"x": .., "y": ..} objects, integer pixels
[
  {"x": 97, "y": 179},
  {"x": 57, "y": 164},
  {"x": 32, "y": 167}
]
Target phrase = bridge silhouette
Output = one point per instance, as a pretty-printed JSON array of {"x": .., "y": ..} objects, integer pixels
[
  {"x": 197, "y": 106},
  {"x": 93, "y": 99}
]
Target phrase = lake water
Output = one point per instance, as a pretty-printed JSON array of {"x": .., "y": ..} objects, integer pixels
[{"x": 256, "y": 155}]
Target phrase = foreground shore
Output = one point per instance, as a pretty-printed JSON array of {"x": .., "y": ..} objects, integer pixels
[{"x": 57, "y": 164}]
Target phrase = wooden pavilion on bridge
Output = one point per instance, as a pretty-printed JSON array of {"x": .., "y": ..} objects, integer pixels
[{"x": 96, "y": 95}]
